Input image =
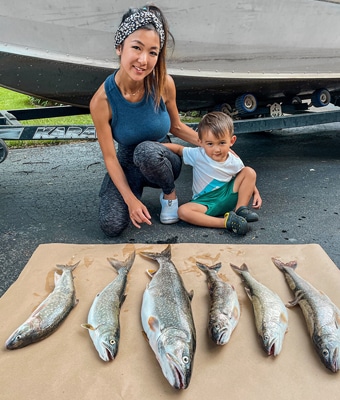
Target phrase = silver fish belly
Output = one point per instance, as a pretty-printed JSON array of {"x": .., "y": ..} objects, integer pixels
[
  {"x": 103, "y": 319},
  {"x": 224, "y": 313},
  {"x": 48, "y": 316},
  {"x": 321, "y": 314},
  {"x": 271, "y": 316},
  {"x": 168, "y": 322}
]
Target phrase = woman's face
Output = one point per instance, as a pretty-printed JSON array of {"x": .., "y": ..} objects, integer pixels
[{"x": 139, "y": 53}]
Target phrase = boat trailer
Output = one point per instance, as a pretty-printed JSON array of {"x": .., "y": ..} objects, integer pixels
[{"x": 12, "y": 129}]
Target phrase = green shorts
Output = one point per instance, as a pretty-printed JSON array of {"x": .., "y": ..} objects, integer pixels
[{"x": 219, "y": 201}]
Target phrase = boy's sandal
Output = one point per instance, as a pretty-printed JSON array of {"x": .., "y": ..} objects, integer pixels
[
  {"x": 235, "y": 223},
  {"x": 249, "y": 215}
]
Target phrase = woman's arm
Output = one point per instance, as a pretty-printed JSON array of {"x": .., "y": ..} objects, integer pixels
[
  {"x": 178, "y": 128},
  {"x": 101, "y": 115}
]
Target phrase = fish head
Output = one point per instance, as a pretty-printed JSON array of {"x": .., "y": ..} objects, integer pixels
[
  {"x": 175, "y": 356},
  {"x": 21, "y": 337},
  {"x": 328, "y": 349},
  {"x": 221, "y": 327},
  {"x": 272, "y": 340},
  {"x": 106, "y": 342}
]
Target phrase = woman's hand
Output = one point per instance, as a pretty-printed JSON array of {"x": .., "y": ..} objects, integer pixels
[{"x": 139, "y": 214}]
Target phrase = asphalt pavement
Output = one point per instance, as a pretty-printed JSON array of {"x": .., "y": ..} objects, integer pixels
[{"x": 50, "y": 195}]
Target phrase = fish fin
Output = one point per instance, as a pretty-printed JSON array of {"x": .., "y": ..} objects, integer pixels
[
  {"x": 203, "y": 267},
  {"x": 281, "y": 265},
  {"x": 67, "y": 267},
  {"x": 151, "y": 272},
  {"x": 153, "y": 323},
  {"x": 337, "y": 320},
  {"x": 122, "y": 300},
  {"x": 298, "y": 296},
  {"x": 145, "y": 336},
  {"x": 236, "y": 313},
  {"x": 240, "y": 269},
  {"x": 56, "y": 278},
  {"x": 191, "y": 294},
  {"x": 88, "y": 326},
  {"x": 117, "y": 264},
  {"x": 283, "y": 318},
  {"x": 166, "y": 253},
  {"x": 248, "y": 292}
]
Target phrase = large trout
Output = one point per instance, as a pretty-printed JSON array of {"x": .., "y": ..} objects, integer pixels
[{"x": 168, "y": 322}]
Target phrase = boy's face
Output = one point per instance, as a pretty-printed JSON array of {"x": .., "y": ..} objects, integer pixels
[{"x": 217, "y": 148}]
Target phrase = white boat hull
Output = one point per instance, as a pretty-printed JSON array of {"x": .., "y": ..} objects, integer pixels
[{"x": 274, "y": 49}]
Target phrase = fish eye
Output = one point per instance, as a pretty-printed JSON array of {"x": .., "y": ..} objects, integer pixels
[
  {"x": 185, "y": 359},
  {"x": 112, "y": 341},
  {"x": 18, "y": 337},
  {"x": 325, "y": 352}
]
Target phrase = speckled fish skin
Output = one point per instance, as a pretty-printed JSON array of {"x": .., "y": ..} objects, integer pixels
[
  {"x": 103, "y": 319},
  {"x": 48, "y": 316},
  {"x": 224, "y": 313},
  {"x": 271, "y": 315},
  {"x": 168, "y": 322},
  {"x": 321, "y": 314}
]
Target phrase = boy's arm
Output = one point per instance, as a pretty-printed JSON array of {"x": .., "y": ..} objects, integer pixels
[{"x": 176, "y": 148}]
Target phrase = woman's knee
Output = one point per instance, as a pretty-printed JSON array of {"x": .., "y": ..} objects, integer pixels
[{"x": 111, "y": 228}]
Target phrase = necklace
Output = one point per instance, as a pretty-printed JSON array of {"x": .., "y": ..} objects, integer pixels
[{"x": 136, "y": 92}]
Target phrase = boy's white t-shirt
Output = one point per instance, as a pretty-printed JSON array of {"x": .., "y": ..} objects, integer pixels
[{"x": 208, "y": 174}]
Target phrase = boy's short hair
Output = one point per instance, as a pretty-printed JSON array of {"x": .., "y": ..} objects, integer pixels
[{"x": 218, "y": 123}]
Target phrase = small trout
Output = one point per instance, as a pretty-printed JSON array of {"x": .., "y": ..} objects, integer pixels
[
  {"x": 271, "y": 316},
  {"x": 103, "y": 318},
  {"x": 321, "y": 315},
  {"x": 168, "y": 322},
  {"x": 48, "y": 316},
  {"x": 224, "y": 313}
]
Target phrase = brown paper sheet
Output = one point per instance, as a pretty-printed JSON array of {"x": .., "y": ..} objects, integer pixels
[{"x": 67, "y": 366}]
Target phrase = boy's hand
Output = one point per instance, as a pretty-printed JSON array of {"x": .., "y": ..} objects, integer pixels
[{"x": 257, "y": 200}]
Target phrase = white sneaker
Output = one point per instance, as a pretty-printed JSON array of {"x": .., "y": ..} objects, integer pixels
[{"x": 169, "y": 211}]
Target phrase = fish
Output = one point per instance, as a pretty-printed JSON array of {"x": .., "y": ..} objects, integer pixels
[
  {"x": 271, "y": 315},
  {"x": 224, "y": 313},
  {"x": 103, "y": 322},
  {"x": 322, "y": 316},
  {"x": 49, "y": 315},
  {"x": 167, "y": 320}
]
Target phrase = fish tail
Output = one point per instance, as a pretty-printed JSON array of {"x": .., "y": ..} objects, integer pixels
[
  {"x": 242, "y": 268},
  {"x": 206, "y": 268},
  {"x": 67, "y": 267},
  {"x": 282, "y": 266},
  {"x": 127, "y": 264},
  {"x": 166, "y": 253}
]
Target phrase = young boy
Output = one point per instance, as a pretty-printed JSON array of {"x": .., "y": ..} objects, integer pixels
[{"x": 221, "y": 182}]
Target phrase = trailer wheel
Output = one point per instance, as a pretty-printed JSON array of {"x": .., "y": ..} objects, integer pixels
[
  {"x": 246, "y": 103},
  {"x": 3, "y": 151},
  {"x": 321, "y": 98}
]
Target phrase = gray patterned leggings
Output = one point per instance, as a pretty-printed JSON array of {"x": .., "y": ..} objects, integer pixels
[{"x": 150, "y": 164}]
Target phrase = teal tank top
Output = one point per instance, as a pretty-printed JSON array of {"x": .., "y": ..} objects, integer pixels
[{"x": 133, "y": 123}]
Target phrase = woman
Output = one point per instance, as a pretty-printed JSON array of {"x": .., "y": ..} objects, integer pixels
[{"x": 136, "y": 106}]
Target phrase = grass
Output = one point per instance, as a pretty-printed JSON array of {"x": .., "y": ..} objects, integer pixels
[{"x": 10, "y": 100}]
